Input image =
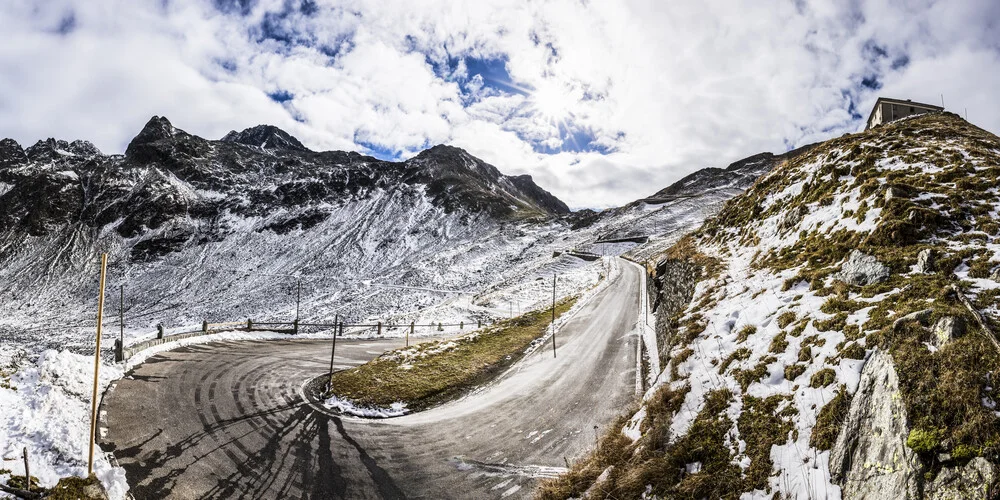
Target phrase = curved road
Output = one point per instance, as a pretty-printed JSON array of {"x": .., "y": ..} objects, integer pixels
[{"x": 228, "y": 419}]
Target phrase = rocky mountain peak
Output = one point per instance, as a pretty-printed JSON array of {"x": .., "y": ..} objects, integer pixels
[
  {"x": 11, "y": 154},
  {"x": 51, "y": 150},
  {"x": 265, "y": 137},
  {"x": 156, "y": 128}
]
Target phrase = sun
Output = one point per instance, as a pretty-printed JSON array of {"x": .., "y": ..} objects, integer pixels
[{"x": 553, "y": 101}]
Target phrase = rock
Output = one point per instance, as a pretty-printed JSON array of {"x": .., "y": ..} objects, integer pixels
[
  {"x": 889, "y": 194},
  {"x": 925, "y": 261},
  {"x": 596, "y": 490},
  {"x": 11, "y": 154},
  {"x": 791, "y": 218},
  {"x": 918, "y": 316},
  {"x": 870, "y": 458},
  {"x": 860, "y": 269},
  {"x": 974, "y": 480},
  {"x": 995, "y": 275},
  {"x": 947, "y": 329}
]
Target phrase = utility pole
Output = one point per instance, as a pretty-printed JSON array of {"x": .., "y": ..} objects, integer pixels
[
  {"x": 97, "y": 365},
  {"x": 553, "y": 315},
  {"x": 333, "y": 351}
]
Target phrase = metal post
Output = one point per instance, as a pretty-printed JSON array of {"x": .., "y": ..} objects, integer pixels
[
  {"x": 27, "y": 472},
  {"x": 298, "y": 295},
  {"x": 333, "y": 351},
  {"x": 121, "y": 315},
  {"x": 553, "y": 315},
  {"x": 97, "y": 365},
  {"x": 412, "y": 324}
]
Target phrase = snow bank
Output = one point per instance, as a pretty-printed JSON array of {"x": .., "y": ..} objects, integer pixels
[
  {"x": 47, "y": 410},
  {"x": 346, "y": 406}
]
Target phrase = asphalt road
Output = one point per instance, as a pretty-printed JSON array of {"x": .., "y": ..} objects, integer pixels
[{"x": 229, "y": 419}]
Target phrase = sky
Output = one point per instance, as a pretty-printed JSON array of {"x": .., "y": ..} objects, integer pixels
[{"x": 602, "y": 102}]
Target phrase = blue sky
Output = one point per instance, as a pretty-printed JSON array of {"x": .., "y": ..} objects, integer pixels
[{"x": 602, "y": 102}]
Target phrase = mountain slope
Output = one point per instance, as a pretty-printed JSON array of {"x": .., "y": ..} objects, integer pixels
[
  {"x": 211, "y": 229},
  {"x": 840, "y": 340}
]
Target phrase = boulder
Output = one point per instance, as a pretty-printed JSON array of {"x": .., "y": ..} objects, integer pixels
[
  {"x": 596, "y": 490},
  {"x": 861, "y": 269},
  {"x": 974, "y": 480},
  {"x": 791, "y": 218},
  {"x": 995, "y": 275},
  {"x": 925, "y": 261},
  {"x": 870, "y": 459},
  {"x": 919, "y": 316},
  {"x": 947, "y": 329}
]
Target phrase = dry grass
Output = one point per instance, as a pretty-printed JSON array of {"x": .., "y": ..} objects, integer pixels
[{"x": 429, "y": 374}]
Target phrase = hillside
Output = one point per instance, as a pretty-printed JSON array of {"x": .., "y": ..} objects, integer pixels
[
  {"x": 218, "y": 230},
  {"x": 830, "y": 333}
]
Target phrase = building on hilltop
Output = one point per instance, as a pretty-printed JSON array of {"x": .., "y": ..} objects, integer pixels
[{"x": 887, "y": 110}]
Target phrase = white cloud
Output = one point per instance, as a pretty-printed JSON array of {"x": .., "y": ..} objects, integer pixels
[{"x": 663, "y": 88}]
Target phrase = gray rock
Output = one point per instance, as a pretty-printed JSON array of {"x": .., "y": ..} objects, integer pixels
[
  {"x": 974, "y": 480},
  {"x": 596, "y": 490},
  {"x": 995, "y": 275},
  {"x": 861, "y": 269},
  {"x": 889, "y": 194},
  {"x": 791, "y": 218},
  {"x": 925, "y": 261},
  {"x": 918, "y": 316},
  {"x": 870, "y": 459},
  {"x": 947, "y": 329}
]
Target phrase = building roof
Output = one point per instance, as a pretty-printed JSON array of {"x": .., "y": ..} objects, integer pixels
[{"x": 902, "y": 103}]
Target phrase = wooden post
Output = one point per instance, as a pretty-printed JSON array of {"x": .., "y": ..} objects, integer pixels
[
  {"x": 159, "y": 331},
  {"x": 97, "y": 365},
  {"x": 27, "y": 472},
  {"x": 553, "y": 315},
  {"x": 295, "y": 326},
  {"x": 204, "y": 325},
  {"x": 249, "y": 324},
  {"x": 461, "y": 325},
  {"x": 379, "y": 328},
  {"x": 412, "y": 324}
]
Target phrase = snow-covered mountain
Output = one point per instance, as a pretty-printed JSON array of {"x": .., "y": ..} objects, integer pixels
[
  {"x": 831, "y": 332},
  {"x": 223, "y": 230}
]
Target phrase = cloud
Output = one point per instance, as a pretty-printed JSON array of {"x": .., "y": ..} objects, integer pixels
[{"x": 602, "y": 102}]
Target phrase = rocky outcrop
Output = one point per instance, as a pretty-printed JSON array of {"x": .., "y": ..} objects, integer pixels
[
  {"x": 947, "y": 329},
  {"x": 861, "y": 269},
  {"x": 870, "y": 456},
  {"x": 11, "y": 154},
  {"x": 671, "y": 291},
  {"x": 925, "y": 262},
  {"x": 975, "y": 480},
  {"x": 790, "y": 218},
  {"x": 265, "y": 137}
]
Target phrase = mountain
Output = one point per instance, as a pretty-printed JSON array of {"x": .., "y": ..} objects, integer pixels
[
  {"x": 198, "y": 229},
  {"x": 831, "y": 332},
  {"x": 219, "y": 225},
  {"x": 265, "y": 137}
]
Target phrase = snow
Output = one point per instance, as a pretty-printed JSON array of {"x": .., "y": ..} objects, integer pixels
[
  {"x": 347, "y": 407},
  {"x": 49, "y": 414}
]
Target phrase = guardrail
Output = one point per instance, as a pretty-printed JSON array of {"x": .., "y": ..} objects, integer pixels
[{"x": 123, "y": 352}]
